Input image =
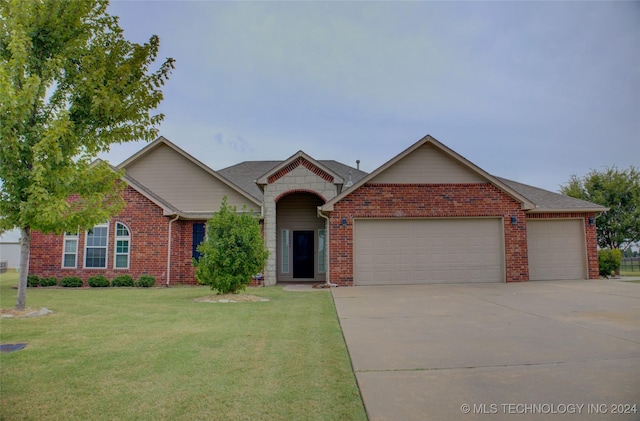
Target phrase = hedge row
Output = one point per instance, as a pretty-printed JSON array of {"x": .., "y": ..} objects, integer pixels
[{"x": 97, "y": 281}]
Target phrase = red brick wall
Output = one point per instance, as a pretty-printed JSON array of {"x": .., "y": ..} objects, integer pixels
[
  {"x": 148, "y": 229},
  {"x": 590, "y": 234},
  {"x": 426, "y": 201},
  {"x": 182, "y": 270}
]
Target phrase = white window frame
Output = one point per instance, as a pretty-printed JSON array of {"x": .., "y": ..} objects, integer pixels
[
  {"x": 322, "y": 250},
  {"x": 68, "y": 236},
  {"x": 105, "y": 247},
  {"x": 126, "y": 238},
  {"x": 285, "y": 255}
]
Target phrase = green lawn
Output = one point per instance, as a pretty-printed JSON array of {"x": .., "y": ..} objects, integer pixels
[
  {"x": 629, "y": 273},
  {"x": 155, "y": 354}
]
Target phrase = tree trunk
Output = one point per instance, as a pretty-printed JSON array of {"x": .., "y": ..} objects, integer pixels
[{"x": 25, "y": 247}]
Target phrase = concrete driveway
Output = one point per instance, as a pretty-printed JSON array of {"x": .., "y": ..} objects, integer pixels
[{"x": 560, "y": 350}]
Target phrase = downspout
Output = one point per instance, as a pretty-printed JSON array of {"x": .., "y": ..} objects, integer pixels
[
  {"x": 169, "y": 250},
  {"x": 327, "y": 257}
]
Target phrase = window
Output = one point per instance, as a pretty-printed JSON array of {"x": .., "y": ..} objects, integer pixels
[
  {"x": 70, "y": 252},
  {"x": 285, "y": 251},
  {"x": 123, "y": 240},
  {"x": 96, "y": 247},
  {"x": 198, "y": 237},
  {"x": 322, "y": 255}
]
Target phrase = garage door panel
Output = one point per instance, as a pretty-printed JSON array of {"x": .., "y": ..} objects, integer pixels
[
  {"x": 428, "y": 251},
  {"x": 557, "y": 249}
]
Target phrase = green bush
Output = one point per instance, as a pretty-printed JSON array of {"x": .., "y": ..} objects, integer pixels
[
  {"x": 122, "y": 281},
  {"x": 33, "y": 281},
  {"x": 232, "y": 252},
  {"x": 609, "y": 261},
  {"x": 71, "y": 282},
  {"x": 146, "y": 281},
  {"x": 51, "y": 281},
  {"x": 98, "y": 281}
]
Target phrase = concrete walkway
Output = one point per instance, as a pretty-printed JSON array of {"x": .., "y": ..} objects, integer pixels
[{"x": 561, "y": 350}]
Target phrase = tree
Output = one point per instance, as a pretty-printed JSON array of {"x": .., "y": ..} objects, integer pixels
[
  {"x": 71, "y": 86},
  {"x": 232, "y": 252},
  {"x": 619, "y": 190}
]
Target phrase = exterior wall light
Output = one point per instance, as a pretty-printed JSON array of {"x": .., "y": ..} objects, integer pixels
[
  {"x": 344, "y": 222},
  {"x": 514, "y": 220},
  {"x": 592, "y": 221}
]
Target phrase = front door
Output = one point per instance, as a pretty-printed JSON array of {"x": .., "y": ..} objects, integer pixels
[{"x": 303, "y": 254}]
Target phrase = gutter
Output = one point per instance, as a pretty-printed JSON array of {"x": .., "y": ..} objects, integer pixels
[
  {"x": 327, "y": 280},
  {"x": 598, "y": 210},
  {"x": 169, "y": 250}
]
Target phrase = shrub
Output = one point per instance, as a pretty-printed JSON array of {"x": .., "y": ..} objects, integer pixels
[
  {"x": 33, "y": 281},
  {"x": 98, "y": 281},
  {"x": 146, "y": 281},
  {"x": 51, "y": 281},
  {"x": 609, "y": 261},
  {"x": 232, "y": 252},
  {"x": 122, "y": 281},
  {"x": 71, "y": 282}
]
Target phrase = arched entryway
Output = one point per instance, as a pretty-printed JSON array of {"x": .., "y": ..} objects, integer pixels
[{"x": 300, "y": 238}]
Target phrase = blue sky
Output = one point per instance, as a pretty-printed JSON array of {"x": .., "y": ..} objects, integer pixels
[{"x": 531, "y": 91}]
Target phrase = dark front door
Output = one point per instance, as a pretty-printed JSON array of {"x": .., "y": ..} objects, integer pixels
[{"x": 303, "y": 254}]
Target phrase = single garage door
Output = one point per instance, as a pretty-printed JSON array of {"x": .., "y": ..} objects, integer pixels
[
  {"x": 420, "y": 251},
  {"x": 556, "y": 249}
]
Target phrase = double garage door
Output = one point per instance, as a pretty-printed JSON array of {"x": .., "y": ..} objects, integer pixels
[{"x": 419, "y": 251}]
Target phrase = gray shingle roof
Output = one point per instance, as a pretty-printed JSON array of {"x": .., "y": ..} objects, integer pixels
[
  {"x": 245, "y": 174},
  {"x": 550, "y": 201}
]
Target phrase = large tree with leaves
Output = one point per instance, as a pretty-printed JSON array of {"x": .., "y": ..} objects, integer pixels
[
  {"x": 71, "y": 86},
  {"x": 618, "y": 190}
]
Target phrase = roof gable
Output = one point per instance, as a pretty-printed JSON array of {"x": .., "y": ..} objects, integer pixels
[
  {"x": 245, "y": 174},
  {"x": 182, "y": 180},
  {"x": 425, "y": 147},
  {"x": 300, "y": 159},
  {"x": 166, "y": 207},
  {"x": 428, "y": 164}
]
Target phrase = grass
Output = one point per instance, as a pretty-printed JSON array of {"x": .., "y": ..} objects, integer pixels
[
  {"x": 154, "y": 354},
  {"x": 629, "y": 273}
]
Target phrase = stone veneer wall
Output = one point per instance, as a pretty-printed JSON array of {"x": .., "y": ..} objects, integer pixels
[{"x": 295, "y": 180}]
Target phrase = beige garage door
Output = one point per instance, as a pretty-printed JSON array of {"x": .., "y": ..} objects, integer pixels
[
  {"x": 420, "y": 251},
  {"x": 556, "y": 249}
]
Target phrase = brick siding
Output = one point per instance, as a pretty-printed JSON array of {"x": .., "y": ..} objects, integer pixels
[
  {"x": 426, "y": 201},
  {"x": 442, "y": 201},
  {"x": 148, "y": 229}
]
